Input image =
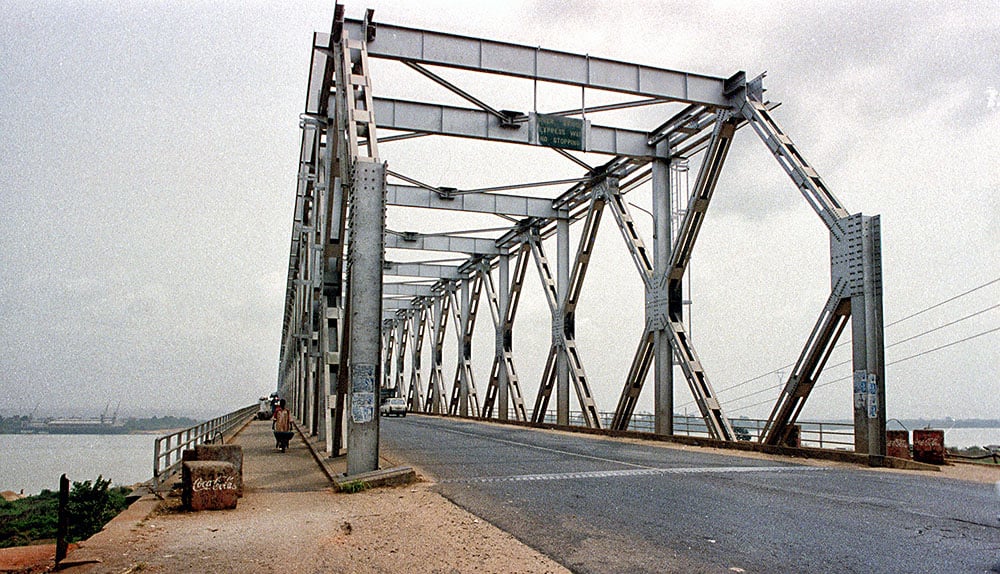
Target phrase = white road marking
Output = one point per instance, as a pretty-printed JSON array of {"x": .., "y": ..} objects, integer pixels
[
  {"x": 639, "y": 470},
  {"x": 636, "y": 472}
]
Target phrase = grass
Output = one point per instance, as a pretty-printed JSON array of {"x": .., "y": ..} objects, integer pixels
[{"x": 353, "y": 486}]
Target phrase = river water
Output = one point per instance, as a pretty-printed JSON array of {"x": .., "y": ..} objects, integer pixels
[
  {"x": 965, "y": 437},
  {"x": 36, "y": 461}
]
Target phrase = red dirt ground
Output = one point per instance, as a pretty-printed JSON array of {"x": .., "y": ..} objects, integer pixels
[{"x": 29, "y": 559}]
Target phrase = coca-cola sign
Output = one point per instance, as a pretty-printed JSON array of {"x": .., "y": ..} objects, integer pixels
[{"x": 218, "y": 483}]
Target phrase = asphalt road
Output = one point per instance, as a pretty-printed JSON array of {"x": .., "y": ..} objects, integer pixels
[{"x": 602, "y": 506}]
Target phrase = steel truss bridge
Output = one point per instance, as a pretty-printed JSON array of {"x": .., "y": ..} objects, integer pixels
[{"x": 354, "y": 318}]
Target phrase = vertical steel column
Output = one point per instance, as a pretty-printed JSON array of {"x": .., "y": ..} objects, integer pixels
[
  {"x": 436, "y": 401},
  {"x": 463, "y": 397},
  {"x": 366, "y": 254},
  {"x": 388, "y": 344},
  {"x": 663, "y": 372},
  {"x": 503, "y": 394},
  {"x": 401, "y": 336},
  {"x": 559, "y": 326},
  {"x": 868, "y": 347},
  {"x": 415, "y": 397}
]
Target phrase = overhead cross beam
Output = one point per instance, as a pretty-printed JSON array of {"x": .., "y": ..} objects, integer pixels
[{"x": 531, "y": 62}]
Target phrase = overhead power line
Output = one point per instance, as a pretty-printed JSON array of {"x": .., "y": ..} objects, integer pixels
[
  {"x": 936, "y": 305},
  {"x": 896, "y": 322},
  {"x": 842, "y": 363},
  {"x": 897, "y": 361}
]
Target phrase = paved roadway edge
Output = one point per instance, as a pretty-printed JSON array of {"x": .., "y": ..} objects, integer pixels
[{"x": 793, "y": 452}]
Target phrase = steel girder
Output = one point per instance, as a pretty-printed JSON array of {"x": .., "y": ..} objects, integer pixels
[
  {"x": 388, "y": 344},
  {"x": 494, "y": 203},
  {"x": 453, "y": 121},
  {"x": 856, "y": 277},
  {"x": 415, "y": 394},
  {"x": 664, "y": 296},
  {"x": 504, "y": 382},
  {"x": 464, "y": 313},
  {"x": 480, "y": 55},
  {"x": 402, "y": 326},
  {"x": 436, "y": 398},
  {"x": 339, "y": 132},
  {"x": 563, "y": 328}
]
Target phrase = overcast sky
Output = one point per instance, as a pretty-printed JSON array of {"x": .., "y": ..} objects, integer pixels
[{"x": 149, "y": 154}]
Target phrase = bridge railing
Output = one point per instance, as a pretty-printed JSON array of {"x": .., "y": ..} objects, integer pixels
[
  {"x": 167, "y": 449},
  {"x": 830, "y": 435}
]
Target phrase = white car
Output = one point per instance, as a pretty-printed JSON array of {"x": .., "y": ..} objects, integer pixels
[{"x": 394, "y": 406}]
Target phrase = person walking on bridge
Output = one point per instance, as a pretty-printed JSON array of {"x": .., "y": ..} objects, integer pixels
[{"x": 282, "y": 425}]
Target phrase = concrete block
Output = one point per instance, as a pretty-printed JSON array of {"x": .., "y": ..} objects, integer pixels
[
  {"x": 794, "y": 439},
  {"x": 209, "y": 485},
  {"x": 231, "y": 453},
  {"x": 928, "y": 446},
  {"x": 897, "y": 444}
]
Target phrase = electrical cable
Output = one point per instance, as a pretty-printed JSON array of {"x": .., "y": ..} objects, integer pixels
[
  {"x": 897, "y": 361},
  {"x": 848, "y": 361},
  {"x": 936, "y": 305}
]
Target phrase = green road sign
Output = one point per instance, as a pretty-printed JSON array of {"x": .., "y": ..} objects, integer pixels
[{"x": 559, "y": 131}]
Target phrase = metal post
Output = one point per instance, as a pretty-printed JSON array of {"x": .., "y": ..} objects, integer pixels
[
  {"x": 365, "y": 279},
  {"x": 400, "y": 356},
  {"x": 868, "y": 348},
  {"x": 463, "y": 396},
  {"x": 663, "y": 372},
  {"x": 562, "y": 282},
  {"x": 503, "y": 392},
  {"x": 62, "y": 522}
]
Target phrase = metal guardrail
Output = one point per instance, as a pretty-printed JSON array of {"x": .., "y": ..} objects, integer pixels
[
  {"x": 813, "y": 434},
  {"x": 993, "y": 455},
  {"x": 168, "y": 448}
]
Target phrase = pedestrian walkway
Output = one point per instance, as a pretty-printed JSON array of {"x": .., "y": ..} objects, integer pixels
[
  {"x": 290, "y": 519},
  {"x": 283, "y": 491},
  {"x": 266, "y": 469}
]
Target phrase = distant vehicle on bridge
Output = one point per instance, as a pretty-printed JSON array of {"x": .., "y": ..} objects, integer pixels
[
  {"x": 265, "y": 409},
  {"x": 393, "y": 406}
]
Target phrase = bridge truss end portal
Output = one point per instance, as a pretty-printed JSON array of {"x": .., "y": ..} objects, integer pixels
[{"x": 341, "y": 249}]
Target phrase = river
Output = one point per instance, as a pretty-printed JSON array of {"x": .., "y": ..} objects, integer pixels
[
  {"x": 965, "y": 437},
  {"x": 34, "y": 462}
]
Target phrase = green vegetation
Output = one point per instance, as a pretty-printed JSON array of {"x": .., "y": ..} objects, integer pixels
[
  {"x": 29, "y": 519},
  {"x": 35, "y": 518},
  {"x": 353, "y": 486}
]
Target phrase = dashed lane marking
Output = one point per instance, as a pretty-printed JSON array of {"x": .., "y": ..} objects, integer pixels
[{"x": 635, "y": 472}]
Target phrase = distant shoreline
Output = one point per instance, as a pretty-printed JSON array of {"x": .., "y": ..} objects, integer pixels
[
  {"x": 150, "y": 432},
  {"x": 103, "y": 426}
]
